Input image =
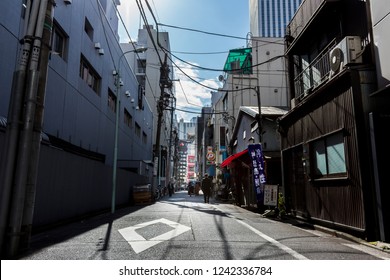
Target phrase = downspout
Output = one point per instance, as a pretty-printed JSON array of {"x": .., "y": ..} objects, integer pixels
[
  {"x": 26, "y": 137},
  {"x": 13, "y": 121}
]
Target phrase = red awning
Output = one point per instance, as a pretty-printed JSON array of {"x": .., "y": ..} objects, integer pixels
[{"x": 227, "y": 161}]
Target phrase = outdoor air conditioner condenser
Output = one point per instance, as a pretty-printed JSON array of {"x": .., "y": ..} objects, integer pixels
[{"x": 347, "y": 52}]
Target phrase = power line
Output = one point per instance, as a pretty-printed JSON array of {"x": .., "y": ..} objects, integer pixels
[
  {"x": 142, "y": 12},
  {"x": 185, "y": 95},
  {"x": 134, "y": 47},
  {"x": 200, "y": 31},
  {"x": 219, "y": 34},
  {"x": 200, "y": 53}
]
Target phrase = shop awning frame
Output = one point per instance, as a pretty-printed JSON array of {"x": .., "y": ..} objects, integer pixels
[{"x": 228, "y": 160}]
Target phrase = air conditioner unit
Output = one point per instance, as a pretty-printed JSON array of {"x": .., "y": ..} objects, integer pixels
[
  {"x": 347, "y": 52},
  {"x": 101, "y": 51}
]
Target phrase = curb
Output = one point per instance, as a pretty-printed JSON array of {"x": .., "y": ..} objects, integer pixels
[{"x": 379, "y": 245}]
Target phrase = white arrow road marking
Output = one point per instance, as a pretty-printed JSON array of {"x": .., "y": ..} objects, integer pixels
[{"x": 139, "y": 243}]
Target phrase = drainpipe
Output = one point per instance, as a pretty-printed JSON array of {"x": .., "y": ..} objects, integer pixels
[
  {"x": 26, "y": 136},
  {"x": 14, "y": 119},
  {"x": 37, "y": 127}
]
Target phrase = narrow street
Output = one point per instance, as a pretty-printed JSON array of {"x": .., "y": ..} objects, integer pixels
[{"x": 184, "y": 228}]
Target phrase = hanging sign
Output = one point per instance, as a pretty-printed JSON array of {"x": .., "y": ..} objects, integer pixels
[{"x": 259, "y": 180}]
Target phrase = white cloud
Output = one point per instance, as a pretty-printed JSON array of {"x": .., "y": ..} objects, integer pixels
[{"x": 191, "y": 96}]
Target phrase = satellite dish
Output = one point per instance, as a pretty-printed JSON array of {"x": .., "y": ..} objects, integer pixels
[{"x": 221, "y": 78}]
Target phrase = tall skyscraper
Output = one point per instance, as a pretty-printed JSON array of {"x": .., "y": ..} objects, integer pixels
[{"x": 269, "y": 18}]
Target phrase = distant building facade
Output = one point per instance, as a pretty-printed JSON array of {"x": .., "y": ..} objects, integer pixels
[
  {"x": 187, "y": 166},
  {"x": 269, "y": 18}
]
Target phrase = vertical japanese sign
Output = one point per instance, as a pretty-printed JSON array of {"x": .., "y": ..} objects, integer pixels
[{"x": 256, "y": 156}]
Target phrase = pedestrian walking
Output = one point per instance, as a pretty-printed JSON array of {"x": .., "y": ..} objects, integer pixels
[
  {"x": 207, "y": 185},
  {"x": 191, "y": 188},
  {"x": 171, "y": 187}
]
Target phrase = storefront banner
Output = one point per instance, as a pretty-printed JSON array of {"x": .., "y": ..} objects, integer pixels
[{"x": 256, "y": 157}]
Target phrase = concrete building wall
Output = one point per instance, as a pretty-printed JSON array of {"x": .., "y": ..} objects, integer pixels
[
  {"x": 74, "y": 112},
  {"x": 270, "y": 71},
  {"x": 380, "y": 11},
  {"x": 79, "y": 116},
  {"x": 152, "y": 84}
]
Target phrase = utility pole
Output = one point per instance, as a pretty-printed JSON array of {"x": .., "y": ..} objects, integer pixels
[
  {"x": 164, "y": 83},
  {"x": 259, "y": 117},
  {"x": 170, "y": 138},
  {"x": 37, "y": 126},
  {"x": 24, "y": 129}
]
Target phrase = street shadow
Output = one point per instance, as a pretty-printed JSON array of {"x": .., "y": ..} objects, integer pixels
[
  {"x": 218, "y": 217},
  {"x": 60, "y": 232}
]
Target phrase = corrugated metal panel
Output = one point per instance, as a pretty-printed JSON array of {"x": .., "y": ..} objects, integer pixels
[
  {"x": 338, "y": 202},
  {"x": 265, "y": 110}
]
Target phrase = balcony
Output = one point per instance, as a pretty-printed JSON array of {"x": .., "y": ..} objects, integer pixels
[
  {"x": 313, "y": 74},
  {"x": 304, "y": 15}
]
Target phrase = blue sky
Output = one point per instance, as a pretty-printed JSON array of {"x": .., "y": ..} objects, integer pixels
[{"x": 228, "y": 17}]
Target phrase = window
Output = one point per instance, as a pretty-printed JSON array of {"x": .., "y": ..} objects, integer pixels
[
  {"x": 88, "y": 29},
  {"x": 141, "y": 66},
  {"x": 144, "y": 138},
  {"x": 137, "y": 129},
  {"x": 89, "y": 75},
  {"x": 329, "y": 156},
  {"x": 225, "y": 103},
  {"x": 128, "y": 119},
  {"x": 222, "y": 136},
  {"x": 58, "y": 40},
  {"x": 111, "y": 102}
]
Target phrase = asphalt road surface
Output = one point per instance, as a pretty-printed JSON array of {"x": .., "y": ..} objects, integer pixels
[{"x": 184, "y": 228}]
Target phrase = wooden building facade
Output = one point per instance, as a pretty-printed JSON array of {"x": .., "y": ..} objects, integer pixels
[{"x": 327, "y": 157}]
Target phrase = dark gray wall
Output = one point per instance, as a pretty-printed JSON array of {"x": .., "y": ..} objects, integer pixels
[{"x": 70, "y": 186}]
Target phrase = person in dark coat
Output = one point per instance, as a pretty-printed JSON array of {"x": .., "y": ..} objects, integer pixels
[
  {"x": 191, "y": 188},
  {"x": 207, "y": 185}
]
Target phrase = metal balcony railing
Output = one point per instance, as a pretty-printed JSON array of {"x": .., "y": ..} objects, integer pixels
[{"x": 314, "y": 73}]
